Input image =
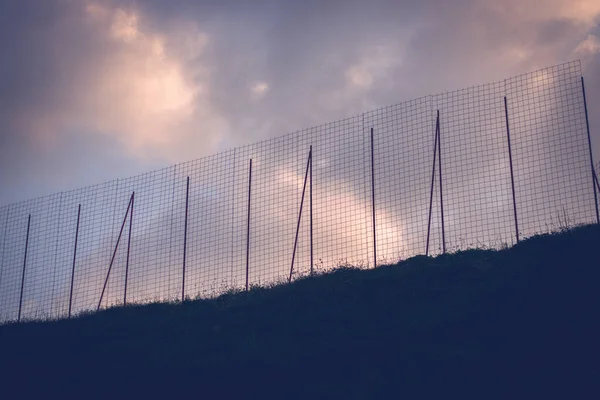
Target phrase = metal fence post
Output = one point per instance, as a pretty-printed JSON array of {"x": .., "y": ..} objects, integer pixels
[
  {"x": 171, "y": 228},
  {"x": 311, "y": 213},
  {"x": 512, "y": 176},
  {"x": 441, "y": 191},
  {"x": 248, "y": 228},
  {"x": 373, "y": 199},
  {"x": 24, "y": 264},
  {"x": 300, "y": 214},
  {"x": 435, "y": 147},
  {"x": 128, "y": 248},
  {"x": 232, "y": 213},
  {"x": 587, "y": 124},
  {"x": 187, "y": 193},
  {"x": 74, "y": 257},
  {"x": 112, "y": 260}
]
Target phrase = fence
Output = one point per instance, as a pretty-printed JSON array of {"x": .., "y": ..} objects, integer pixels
[{"x": 483, "y": 166}]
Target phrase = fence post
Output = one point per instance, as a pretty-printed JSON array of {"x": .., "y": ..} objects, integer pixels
[
  {"x": 441, "y": 191},
  {"x": 187, "y": 193},
  {"x": 74, "y": 257},
  {"x": 171, "y": 228},
  {"x": 232, "y": 213},
  {"x": 24, "y": 264},
  {"x": 587, "y": 124},
  {"x": 112, "y": 260},
  {"x": 248, "y": 228},
  {"x": 373, "y": 200},
  {"x": 512, "y": 176},
  {"x": 128, "y": 248},
  {"x": 435, "y": 147},
  {"x": 300, "y": 214},
  {"x": 311, "y": 214}
]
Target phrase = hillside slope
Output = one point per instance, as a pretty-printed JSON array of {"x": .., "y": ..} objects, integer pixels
[{"x": 522, "y": 320}]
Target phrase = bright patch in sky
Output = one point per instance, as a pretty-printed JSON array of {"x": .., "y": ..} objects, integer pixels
[
  {"x": 590, "y": 46},
  {"x": 259, "y": 90}
]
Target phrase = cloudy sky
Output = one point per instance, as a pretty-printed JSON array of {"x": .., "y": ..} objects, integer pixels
[{"x": 93, "y": 90}]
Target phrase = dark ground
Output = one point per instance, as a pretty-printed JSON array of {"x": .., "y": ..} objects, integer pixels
[{"x": 518, "y": 323}]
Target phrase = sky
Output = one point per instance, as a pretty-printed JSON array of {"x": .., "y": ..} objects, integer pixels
[
  {"x": 94, "y": 93},
  {"x": 94, "y": 90}
]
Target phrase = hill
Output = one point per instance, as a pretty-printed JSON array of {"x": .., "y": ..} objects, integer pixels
[{"x": 522, "y": 321}]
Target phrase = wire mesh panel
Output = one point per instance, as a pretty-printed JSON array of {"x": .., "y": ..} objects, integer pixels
[
  {"x": 63, "y": 259},
  {"x": 14, "y": 261},
  {"x": 4, "y": 214},
  {"x": 35, "y": 288},
  {"x": 274, "y": 207},
  {"x": 341, "y": 194},
  {"x": 99, "y": 212},
  {"x": 478, "y": 167},
  {"x": 403, "y": 140},
  {"x": 209, "y": 235},
  {"x": 475, "y": 167},
  {"x": 552, "y": 168}
]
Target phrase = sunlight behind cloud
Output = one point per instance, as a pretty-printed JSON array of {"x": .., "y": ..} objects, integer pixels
[
  {"x": 124, "y": 26},
  {"x": 259, "y": 90},
  {"x": 347, "y": 222},
  {"x": 146, "y": 93},
  {"x": 359, "y": 75}
]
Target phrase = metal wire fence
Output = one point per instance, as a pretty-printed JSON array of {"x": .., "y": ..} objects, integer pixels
[{"x": 479, "y": 167}]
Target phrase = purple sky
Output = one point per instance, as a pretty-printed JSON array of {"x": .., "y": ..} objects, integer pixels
[{"x": 96, "y": 90}]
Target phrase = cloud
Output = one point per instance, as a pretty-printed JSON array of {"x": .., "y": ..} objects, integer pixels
[
  {"x": 138, "y": 85},
  {"x": 166, "y": 82},
  {"x": 590, "y": 46},
  {"x": 259, "y": 90},
  {"x": 147, "y": 93},
  {"x": 375, "y": 64},
  {"x": 98, "y": 68},
  {"x": 359, "y": 75}
]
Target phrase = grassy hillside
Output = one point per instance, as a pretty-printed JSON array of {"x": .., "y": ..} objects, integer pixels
[{"x": 523, "y": 320}]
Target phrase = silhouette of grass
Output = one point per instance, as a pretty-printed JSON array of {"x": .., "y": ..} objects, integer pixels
[{"x": 521, "y": 321}]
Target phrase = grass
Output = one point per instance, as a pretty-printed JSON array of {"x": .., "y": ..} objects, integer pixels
[{"x": 522, "y": 322}]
